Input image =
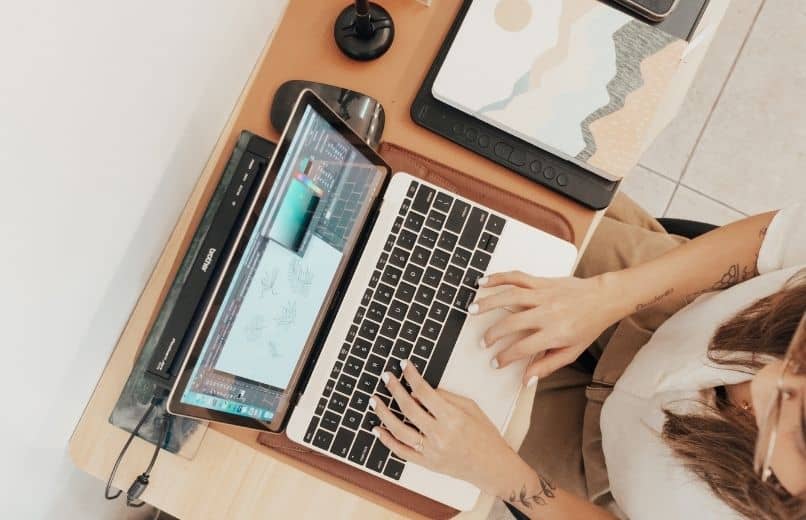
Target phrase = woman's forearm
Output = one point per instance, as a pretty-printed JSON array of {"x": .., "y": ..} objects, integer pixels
[
  {"x": 713, "y": 261},
  {"x": 537, "y": 497}
]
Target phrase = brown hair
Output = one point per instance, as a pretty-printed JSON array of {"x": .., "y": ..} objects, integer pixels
[{"x": 717, "y": 444}]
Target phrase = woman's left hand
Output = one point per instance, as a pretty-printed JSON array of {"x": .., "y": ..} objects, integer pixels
[{"x": 455, "y": 437}]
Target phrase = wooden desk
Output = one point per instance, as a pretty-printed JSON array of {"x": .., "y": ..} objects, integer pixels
[{"x": 232, "y": 476}]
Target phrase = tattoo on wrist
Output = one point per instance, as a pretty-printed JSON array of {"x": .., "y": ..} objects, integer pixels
[
  {"x": 527, "y": 499},
  {"x": 654, "y": 301}
]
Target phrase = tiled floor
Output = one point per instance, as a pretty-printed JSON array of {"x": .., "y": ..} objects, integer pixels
[{"x": 738, "y": 145}]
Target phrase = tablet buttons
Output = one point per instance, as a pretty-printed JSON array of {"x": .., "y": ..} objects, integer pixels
[
  {"x": 518, "y": 158},
  {"x": 536, "y": 166},
  {"x": 503, "y": 150},
  {"x": 549, "y": 172},
  {"x": 484, "y": 141},
  {"x": 471, "y": 134},
  {"x": 562, "y": 179},
  {"x": 458, "y": 128}
]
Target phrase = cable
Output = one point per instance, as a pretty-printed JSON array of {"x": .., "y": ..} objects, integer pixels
[{"x": 141, "y": 482}]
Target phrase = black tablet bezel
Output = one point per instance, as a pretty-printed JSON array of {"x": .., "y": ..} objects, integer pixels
[{"x": 223, "y": 278}]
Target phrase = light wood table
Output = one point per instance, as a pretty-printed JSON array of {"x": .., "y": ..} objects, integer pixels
[{"x": 231, "y": 476}]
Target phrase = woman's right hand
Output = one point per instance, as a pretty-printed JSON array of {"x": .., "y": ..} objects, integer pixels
[{"x": 561, "y": 317}]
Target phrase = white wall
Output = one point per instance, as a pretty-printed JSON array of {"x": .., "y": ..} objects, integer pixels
[{"x": 108, "y": 112}]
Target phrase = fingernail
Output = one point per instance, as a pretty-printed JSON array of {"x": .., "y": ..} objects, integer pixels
[
  {"x": 372, "y": 403},
  {"x": 494, "y": 362},
  {"x": 483, "y": 280},
  {"x": 473, "y": 309},
  {"x": 385, "y": 377},
  {"x": 482, "y": 343},
  {"x": 532, "y": 382},
  {"x": 403, "y": 363},
  {"x": 376, "y": 431}
]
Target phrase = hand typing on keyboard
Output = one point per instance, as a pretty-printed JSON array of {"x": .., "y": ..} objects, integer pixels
[{"x": 448, "y": 433}]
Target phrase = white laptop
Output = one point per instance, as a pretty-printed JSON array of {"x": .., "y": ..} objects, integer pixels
[{"x": 341, "y": 270}]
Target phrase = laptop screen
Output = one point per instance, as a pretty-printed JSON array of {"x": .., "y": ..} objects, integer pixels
[{"x": 287, "y": 269}]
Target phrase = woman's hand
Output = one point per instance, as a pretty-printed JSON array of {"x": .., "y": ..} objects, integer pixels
[
  {"x": 455, "y": 437},
  {"x": 561, "y": 317}
]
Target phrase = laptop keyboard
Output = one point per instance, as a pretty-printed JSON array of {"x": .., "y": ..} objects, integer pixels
[{"x": 414, "y": 308}]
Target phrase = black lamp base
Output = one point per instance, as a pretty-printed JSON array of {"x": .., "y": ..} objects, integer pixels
[{"x": 367, "y": 46}]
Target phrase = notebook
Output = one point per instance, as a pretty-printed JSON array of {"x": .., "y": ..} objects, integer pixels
[{"x": 577, "y": 78}]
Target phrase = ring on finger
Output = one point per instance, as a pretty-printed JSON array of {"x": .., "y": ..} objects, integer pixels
[{"x": 419, "y": 446}]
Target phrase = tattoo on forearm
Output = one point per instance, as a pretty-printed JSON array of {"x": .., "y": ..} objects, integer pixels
[
  {"x": 528, "y": 499},
  {"x": 763, "y": 232},
  {"x": 654, "y": 301},
  {"x": 728, "y": 279}
]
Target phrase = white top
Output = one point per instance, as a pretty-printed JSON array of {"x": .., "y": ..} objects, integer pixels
[{"x": 646, "y": 478}]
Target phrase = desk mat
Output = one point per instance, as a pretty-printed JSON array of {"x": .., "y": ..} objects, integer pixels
[{"x": 401, "y": 159}]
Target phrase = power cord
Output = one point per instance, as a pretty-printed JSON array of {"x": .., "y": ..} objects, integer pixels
[{"x": 141, "y": 482}]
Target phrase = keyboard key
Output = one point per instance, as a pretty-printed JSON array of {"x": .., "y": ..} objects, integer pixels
[
  {"x": 309, "y": 433},
  {"x": 390, "y": 328},
  {"x": 337, "y": 403},
  {"x": 382, "y": 347},
  {"x": 353, "y": 366},
  {"x": 404, "y": 207},
  {"x": 352, "y": 419},
  {"x": 375, "y": 364},
  {"x": 394, "y": 468},
  {"x": 419, "y": 363},
  {"x": 410, "y": 331},
  {"x": 407, "y": 239},
  {"x": 471, "y": 278},
  {"x": 384, "y": 293},
  {"x": 382, "y": 261},
  {"x": 440, "y": 259},
  {"x": 351, "y": 333},
  {"x": 322, "y": 439},
  {"x": 391, "y": 275},
  {"x": 413, "y": 274},
  {"x": 330, "y": 421},
  {"x": 383, "y": 392},
  {"x": 428, "y": 238},
  {"x": 397, "y": 310},
  {"x": 329, "y": 386},
  {"x": 399, "y": 257},
  {"x": 370, "y": 421},
  {"x": 447, "y": 240},
  {"x": 390, "y": 243},
  {"x": 341, "y": 444},
  {"x": 438, "y": 312},
  {"x": 422, "y": 202},
  {"x": 377, "y": 456},
  {"x": 345, "y": 349},
  {"x": 495, "y": 225},
  {"x": 405, "y": 292},
  {"x": 375, "y": 278},
  {"x": 397, "y": 225},
  {"x": 425, "y": 295},
  {"x": 444, "y": 347},
  {"x": 361, "y": 348},
  {"x": 453, "y": 275},
  {"x": 366, "y": 383},
  {"x": 402, "y": 348},
  {"x": 414, "y": 222},
  {"x": 443, "y": 202},
  {"x": 320, "y": 406},
  {"x": 369, "y": 329},
  {"x": 359, "y": 400},
  {"x": 361, "y": 446},
  {"x": 431, "y": 329},
  {"x": 420, "y": 256},
  {"x": 393, "y": 366},
  {"x": 461, "y": 257},
  {"x": 376, "y": 312},
  {"x": 464, "y": 298},
  {"x": 345, "y": 384},
  {"x": 488, "y": 242},
  {"x": 446, "y": 293},
  {"x": 423, "y": 347},
  {"x": 359, "y": 315},
  {"x": 480, "y": 260},
  {"x": 435, "y": 220},
  {"x": 412, "y": 189},
  {"x": 472, "y": 232},
  {"x": 432, "y": 276},
  {"x": 336, "y": 370},
  {"x": 458, "y": 216},
  {"x": 417, "y": 313}
]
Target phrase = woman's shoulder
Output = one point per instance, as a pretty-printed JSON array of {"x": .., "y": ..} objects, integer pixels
[{"x": 646, "y": 479}]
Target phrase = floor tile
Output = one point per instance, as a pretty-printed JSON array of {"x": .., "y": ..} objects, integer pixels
[
  {"x": 688, "y": 204},
  {"x": 672, "y": 148},
  {"x": 753, "y": 152},
  {"x": 651, "y": 191}
]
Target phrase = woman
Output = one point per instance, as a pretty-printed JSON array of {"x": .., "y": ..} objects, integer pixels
[{"x": 679, "y": 427}]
